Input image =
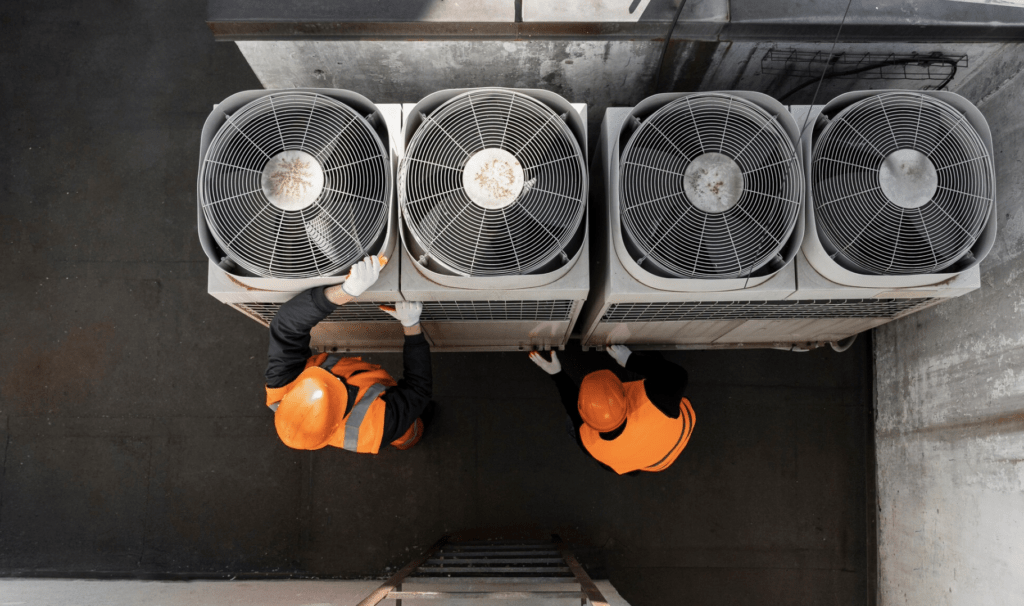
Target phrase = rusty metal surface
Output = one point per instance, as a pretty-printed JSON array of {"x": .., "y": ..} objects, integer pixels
[{"x": 591, "y": 590}]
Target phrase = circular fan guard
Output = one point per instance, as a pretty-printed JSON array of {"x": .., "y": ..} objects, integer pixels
[
  {"x": 710, "y": 187},
  {"x": 260, "y": 195},
  {"x": 538, "y": 200},
  {"x": 902, "y": 184}
]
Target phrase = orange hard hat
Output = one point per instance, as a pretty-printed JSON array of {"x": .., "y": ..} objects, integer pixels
[
  {"x": 602, "y": 401},
  {"x": 312, "y": 410}
]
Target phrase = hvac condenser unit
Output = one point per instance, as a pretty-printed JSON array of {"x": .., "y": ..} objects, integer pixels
[
  {"x": 901, "y": 209},
  {"x": 698, "y": 220},
  {"x": 492, "y": 190},
  {"x": 294, "y": 187}
]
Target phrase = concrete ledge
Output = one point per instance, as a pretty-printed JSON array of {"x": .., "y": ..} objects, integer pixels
[{"x": 732, "y": 20}]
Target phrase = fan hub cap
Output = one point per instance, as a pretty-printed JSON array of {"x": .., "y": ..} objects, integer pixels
[
  {"x": 493, "y": 178},
  {"x": 908, "y": 178},
  {"x": 292, "y": 180},
  {"x": 713, "y": 182}
]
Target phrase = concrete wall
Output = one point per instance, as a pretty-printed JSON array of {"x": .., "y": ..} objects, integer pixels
[
  {"x": 950, "y": 406},
  {"x": 601, "y": 73}
]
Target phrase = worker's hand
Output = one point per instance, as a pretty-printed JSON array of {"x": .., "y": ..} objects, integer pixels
[
  {"x": 620, "y": 353},
  {"x": 406, "y": 312},
  {"x": 552, "y": 367},
  {"x": 362, "y": 275}
]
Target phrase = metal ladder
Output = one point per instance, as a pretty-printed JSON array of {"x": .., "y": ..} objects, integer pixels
[{"x": 461, "y": 564}]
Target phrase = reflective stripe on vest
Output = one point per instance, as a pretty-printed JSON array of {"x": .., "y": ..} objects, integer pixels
[
  {"x": 355, "y": 419},
  {"x": 682, "y": 433},
  {"x": 331, "y": 360}
]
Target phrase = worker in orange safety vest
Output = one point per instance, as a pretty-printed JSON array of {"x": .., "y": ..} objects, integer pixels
[
  {"x": 627, "y": 427},
  {"x": 330, "y": 400}
]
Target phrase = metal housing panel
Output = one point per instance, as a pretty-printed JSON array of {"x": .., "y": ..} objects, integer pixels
[
  {"x": 787, "y": 332},
  {"x": 732, "y": 319},
  {"x": 503, "y": 327},
  {"x": 659, "y": 334},
  {"x": 351, "y": 327}
]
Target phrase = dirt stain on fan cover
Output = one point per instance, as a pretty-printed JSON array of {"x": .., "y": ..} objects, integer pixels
[
  {"x": 291, "y": 179},
  {"x": 497, "y": 179}
]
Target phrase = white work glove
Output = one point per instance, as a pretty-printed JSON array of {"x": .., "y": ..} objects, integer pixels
[
  {"x": 552, "y": 368},
  {"x": 620, "y": 353},
  {"x": 362, "y": 275},
  {"x": 406, "y": 312}
]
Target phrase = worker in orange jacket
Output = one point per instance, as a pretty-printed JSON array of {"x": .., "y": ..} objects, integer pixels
[
  {"x": 627, "y": 427},
  {"x": 330, "y": 400}
]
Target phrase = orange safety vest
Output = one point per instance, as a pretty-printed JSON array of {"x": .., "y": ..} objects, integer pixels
[
  {"x": 363, "y": 428},
  {"x": 650, "y": 442}
]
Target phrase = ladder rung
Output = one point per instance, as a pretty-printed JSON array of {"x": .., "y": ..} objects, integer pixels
[
  {"x": 483, "y": 595},
  {"x": 508, "y": 554},
  {"x": 463, "y": 569},
  {"x": 490, "y": 580},
  {"x": 547, "y": 546},
  {"x": 495, "y": 561},
  {"x": 497, "y": 543}
]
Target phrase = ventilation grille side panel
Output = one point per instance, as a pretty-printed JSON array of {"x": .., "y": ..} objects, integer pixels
[
  {"x": 559, "y": 310},
  {"x": 507, "y": 335},
  {"x": 355, "y": 326},
  {"x": 462, "y": 311},
  {"x": 355, "y": 311},
  {"x": 754, "y": 310}
]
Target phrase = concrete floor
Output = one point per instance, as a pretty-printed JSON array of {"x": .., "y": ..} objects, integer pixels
[{"x": 135, "y": 440}]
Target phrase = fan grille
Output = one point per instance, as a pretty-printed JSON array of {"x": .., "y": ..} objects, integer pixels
[
  {"x": 532, "y": 216},
  {"x": 710, "y": 187},
  {"x": 266, "y": 211},
  {"x": 902, "y": 185}
]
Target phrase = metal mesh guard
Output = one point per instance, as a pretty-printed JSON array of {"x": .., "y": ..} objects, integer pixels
[
  {"x": 438, "y": 311},
  {"x": 337, "y": 228},
  {"x": 667, "y": 225},
  {"x": 466, "y": 237},
  {"x": 918, "y": 222},
  {"x": 761, "y": 310},
  {"x": 355, "y": 311}
]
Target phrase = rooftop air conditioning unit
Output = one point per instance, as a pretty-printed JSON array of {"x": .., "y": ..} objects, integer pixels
[
  {"x": 901, "y": 209},
  {"x": 294, "y": 187},
  {"x": 492, "y": 190},
  {"x": 698, "y": 220}
]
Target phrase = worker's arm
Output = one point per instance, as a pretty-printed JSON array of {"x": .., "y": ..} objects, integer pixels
[
  {"x": 289, "y": 330},
  {"x": 289, "y": 335},
  {"x": 568, "y": 390},
  {"x": 664, "y": 381},
  {"x": 406, "y": 401},
  {"x": 569, "y": 394}
]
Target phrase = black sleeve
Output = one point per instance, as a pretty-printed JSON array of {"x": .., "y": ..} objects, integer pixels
[
  {"x": 664, "y": 382},
  {"x": 569, "y": 392},
  {"x": 289, "y": 335},
  {"x": 405, "y": 402}
]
